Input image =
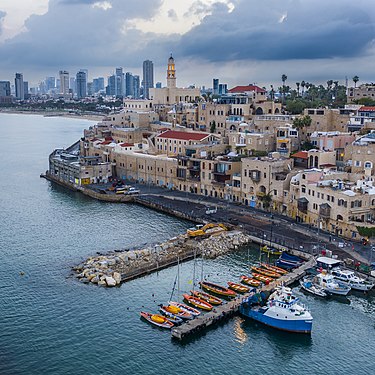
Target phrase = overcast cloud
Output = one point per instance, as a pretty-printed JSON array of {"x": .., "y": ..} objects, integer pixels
[{"x": 238, "y": 41}]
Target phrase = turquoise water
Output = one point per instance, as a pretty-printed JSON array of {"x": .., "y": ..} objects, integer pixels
[{"x": 51, "y": 324}]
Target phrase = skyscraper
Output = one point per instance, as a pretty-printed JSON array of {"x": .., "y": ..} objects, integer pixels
[
  {"x": 81, "y": 83},
  {"x": 98, "y": 84},
  {"x": 5, "y": 92},
  {"x": 215, "y": 86},
  {"x": 120, "y": 82},
  {"x": 136, "y": 86},
  {"x": 20, "y": 88},
  {"x": 50, "y": 83},
  {"x": 148, "y": 77},
  {"x": 129, "y": 84},
  {"x": 64, "y": 82},
  {"x": 111, "y": 88}
]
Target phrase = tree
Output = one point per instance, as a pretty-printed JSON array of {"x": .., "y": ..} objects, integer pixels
[
  {"x": 297, "y": 84},
  {"x": 284, "y": 78},
  {"x": 303, "y": 84},
  {"x": 301, "y": 122},
  {"x": 355, "y": 80}
]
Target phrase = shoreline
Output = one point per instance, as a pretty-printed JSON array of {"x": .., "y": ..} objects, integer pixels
[{"x": 89, "y": 117}]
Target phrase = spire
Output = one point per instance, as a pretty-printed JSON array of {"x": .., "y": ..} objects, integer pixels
[{"x": 171, "y": 73}]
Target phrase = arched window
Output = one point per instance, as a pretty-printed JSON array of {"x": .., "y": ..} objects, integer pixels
[{"x": 368, "y": 164}]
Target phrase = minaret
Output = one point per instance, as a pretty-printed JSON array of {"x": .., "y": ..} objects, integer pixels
[{"x": 171, "y": 73}]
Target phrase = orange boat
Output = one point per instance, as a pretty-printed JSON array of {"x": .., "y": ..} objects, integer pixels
[
  {"x": 274, "y": 268},
  {"x": 238, "y": 287},
  {"x": 206, "y": 297},
  {"x": 157, "y": 320},
  {"x": 171, "y": 310},
  {"x": 262, "y": 278},
  {"x": 265, "y": 272},
  {"x": 198, "y": 302},
  {"x": 250, "y": 281},
  {"x": 217, "y": 289},
  {"x": 186, "y": 308}
]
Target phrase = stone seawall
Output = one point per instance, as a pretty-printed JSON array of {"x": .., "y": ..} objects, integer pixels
[
  {"x": 113, "y": 198},
  {"x": 121, "y": 266}
]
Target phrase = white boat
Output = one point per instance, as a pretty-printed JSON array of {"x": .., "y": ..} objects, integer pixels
[
  {"x": 309, "y": 286},
  {"x": 349, "y": 278},
  {"x": 330, "y": 284},
  {"x": 282, "y": 311}
]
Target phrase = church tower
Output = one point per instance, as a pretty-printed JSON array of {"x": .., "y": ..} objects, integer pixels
[{"x": 171, "y": 73}]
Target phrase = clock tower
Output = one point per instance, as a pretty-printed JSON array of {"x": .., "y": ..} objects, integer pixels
[{"x": 171, "y": 73}]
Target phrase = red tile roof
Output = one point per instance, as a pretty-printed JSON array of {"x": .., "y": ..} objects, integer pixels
[
  {"x": 126, "y": 144},
  {"x": 106, "y": 142},
  {"x": 367, "y": 109},
  {"x": 240, "y": 89},
  {"x": 186, "y": 136},
  {"x": 300, "y": 155}
]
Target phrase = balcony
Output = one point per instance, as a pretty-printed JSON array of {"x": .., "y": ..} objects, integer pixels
[{"x": 325, "y": 211}]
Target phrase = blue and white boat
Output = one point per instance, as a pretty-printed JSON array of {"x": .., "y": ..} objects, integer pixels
[
  {"x": 281, "y": 311},
  {"x": 331, "y": 285}
]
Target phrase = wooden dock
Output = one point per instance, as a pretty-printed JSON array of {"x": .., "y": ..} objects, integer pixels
[{"x": 229, "y": 309}]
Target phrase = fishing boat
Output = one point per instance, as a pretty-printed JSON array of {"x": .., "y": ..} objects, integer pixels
[
  {"x": 270, "y": 251},
  {"x": 281, "y": 311},
  {"x": 250, "y": 281},
  {"x": 312, "y": 288},
  {"x": 262, "y": 278},
  {"x": 217, "y": 289},
  {"x": 349, "y": 278},
  {"x": 174, "y": 311},
  {"x": 157, "y": 320},
  {"x": 187, "y": 308},
  {"x": 330, "y": 285},
  {"x": 270, "y": 267},
  {"x": 206, "y": 297},
  {"x": 238, "y": 287},
  {"x": 265, "y": 272},
  {"x": 198, "y": 302}
]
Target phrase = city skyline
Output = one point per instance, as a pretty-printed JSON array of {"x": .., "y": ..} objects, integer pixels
[{"x": 237, "y": 41}]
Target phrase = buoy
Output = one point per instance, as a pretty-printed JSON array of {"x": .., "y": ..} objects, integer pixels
[{"x": 22, "y": 273}]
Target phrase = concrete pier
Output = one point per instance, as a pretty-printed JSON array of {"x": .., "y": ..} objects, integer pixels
[{"x": 227, "y": 310}]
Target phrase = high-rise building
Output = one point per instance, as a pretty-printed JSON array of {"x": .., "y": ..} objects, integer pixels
[
  {"x": 223, "y": 88},
  {"x": 215, "y": 86},
  {"x": 129, "y": 84},
  {"x": 4, "y": 88},
  {"x": 158, "y": 85},
  {"x": 90, "y": 88},
  {"x": 26, "y": 89},
  {"x": 120, "y": 83},
  {"x": 81, "y": 83},
  {"x": 73, "y": 85},
  {"x": 98, "y": 84},
  {"x": 20, "y": 88},
  {"x": 136, "y": 86},
  {"x": 64, "y": 82},
  {"x": 148, "y": 77},
  {"x": 50, "y": 83},
  {"x": 111, "y": 88}
]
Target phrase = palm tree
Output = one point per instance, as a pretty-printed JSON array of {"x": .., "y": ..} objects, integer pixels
[
  {"x": 303, "y": 84},
  {"x": 329, "y": 84},
  {"x": 297, "y": 84},
  {"x": 284, "y": 78},
  {"x": 272, "y": 92},
  {"x": 355, "y": 80}
]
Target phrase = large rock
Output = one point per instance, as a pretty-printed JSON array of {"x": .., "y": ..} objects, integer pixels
[
  {"x": 117, "y": 277},
  {"x": 110, "y": 281}
]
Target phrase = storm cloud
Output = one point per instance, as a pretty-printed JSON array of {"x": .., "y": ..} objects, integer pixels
[{"x": 246, "y": 34}]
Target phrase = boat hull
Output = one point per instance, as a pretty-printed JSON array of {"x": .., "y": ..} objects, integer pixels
[
  {"x": 295, "y": 326},
  {"x": 217, "y": 289}
]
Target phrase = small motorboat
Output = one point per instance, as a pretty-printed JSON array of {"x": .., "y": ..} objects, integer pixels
[
  {"x": 270, "y": 250},
  {"x": 250, "y": 281},
  {"x": 187, "y": 308},
  {"x": 270, "y": 267},
  {"x": 206, "y": 297},
  {"x": 262, "y": 278},
  {"x": 238, "y": 287},
  {"x": 198, "y": 302},
  {"x": 265, "y": 272},
  {"x": 217, "y": 289},
  {"x": 349, "y": 278},
  {"x": 308, "y": 286},
  {"x": 331, "y": 285},
  {"x": 157, "y": 320},
  {"x": 174, "y": 311}
]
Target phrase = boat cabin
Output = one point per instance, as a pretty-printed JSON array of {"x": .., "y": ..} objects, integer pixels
[{"x": 327, "y": 263}]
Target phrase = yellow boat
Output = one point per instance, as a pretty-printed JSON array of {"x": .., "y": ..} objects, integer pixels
[
  {"x": 274, "y": 268},
  {"x": 262, "y": 278},
  {"x": 250, "y": 281},
  {"x": 206, "y": 297},
  {"x": 238, "y": 287},
  {"x": 270, "y": 251},
  {"x": 265, "y": 272}
]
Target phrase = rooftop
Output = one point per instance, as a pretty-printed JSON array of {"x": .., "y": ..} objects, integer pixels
[
  {"x": 186, "y": 136},
  {"x": 242, "y": 89}
]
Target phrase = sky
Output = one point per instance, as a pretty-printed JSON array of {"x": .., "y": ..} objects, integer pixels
[{"x": 237, "y": 41}]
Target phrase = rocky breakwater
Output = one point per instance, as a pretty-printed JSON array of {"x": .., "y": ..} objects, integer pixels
[{"x": 122, "y": 265}]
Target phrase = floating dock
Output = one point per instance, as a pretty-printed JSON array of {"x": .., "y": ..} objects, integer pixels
[{"x": 227, "y": 310}]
